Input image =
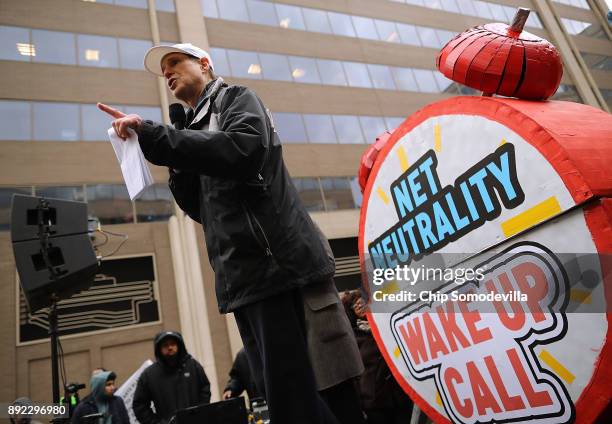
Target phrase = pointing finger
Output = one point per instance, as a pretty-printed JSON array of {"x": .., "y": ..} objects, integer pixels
[{"x": 111, "y": 111}]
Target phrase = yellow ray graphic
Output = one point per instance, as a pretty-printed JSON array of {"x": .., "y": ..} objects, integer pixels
[
  {"x": 438, "y": 399},
  {"x": 383, "y": 196},
  {"x": 403, "y": 158},
  {"x": 503, "y": 142},
  {"x": 437, "y": 139},
  {"x": 532, "y": 216},
  {"x": 557, "y": 367},
  {"x": 390, "y": 287},
  {"x": 396, "y": 352},
  {"x": 580, "y": 296}
]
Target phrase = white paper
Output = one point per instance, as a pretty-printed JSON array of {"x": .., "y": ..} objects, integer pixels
[
  {"x": 136, "y": 172},
  {"x": 127, "y": 389}
]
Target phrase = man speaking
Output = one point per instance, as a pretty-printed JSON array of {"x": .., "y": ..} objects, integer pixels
[{"x": 227, "y": 172}]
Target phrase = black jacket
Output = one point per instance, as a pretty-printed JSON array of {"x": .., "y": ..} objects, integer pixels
[
  {"x": 260, "y": 238},
  {"x": 170, "y": 388},
  {"x": 240, "y": 377},
  {"x": 116, "y": 409}
]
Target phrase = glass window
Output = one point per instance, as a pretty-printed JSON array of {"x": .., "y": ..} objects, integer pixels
[
  {"x": 262, "y": 12},
  {"x": 220, "y": 62},
  {"x": 567, "y": 93},
  {"x": 244, "y": 64},
  {"x": 15, "y": 120},
  {"x": 56, "y": 121},
  {"x": 498, "y": 13},
  {"x": 132, "y": 52},
  {"x": 99, "y": 51},
  {"x": 310, "y": 193},
  {"x": 428, "y": 37},
  {"x": 209, "y": 7},
  {"x": 140, "y": 4},
  {"x": 404, "y": 79},
  {"x": 6, "y": 197},
  {"x": 331, "y": 72},
  {"x": 482, "y": 9},
  {"x": 66, "y": 193},
  {"x": 304, "y": 69},
  {"x": 233, "y": 10},
  {"x": 444, "y": 36},
  {"x": 433, "y": 4},
  {"x": 290, "y": 127},
  {"x": 54, "y": 47},
  {"x": 145, "y": 112},
  {"x": 316, "y": 20},
  {"x": 356, "y": 190},
  {"x": 426, "y": 81},
  {"x": 387, "y": 31},
  {"x": 357, "y": 74},
  {"x": 95, "y": 123},
  {"x": 320, "y": 128},
  {"x": 110, "y": 203},
  {"x": 164, "y": 5},
  {"x": 467, "y": 7},
  {"x": 509, "y": 12},
  {"x": 365, "y": 28},
  {"x": 597, "y": 61},
  {"x": 275, "y": 67},
  {"x": 393, "y": 122},
  {"x": 15, "y": 44},
  {"x": 338, "y": 194},
  {"x": 155, "y": 204},
  {"x": 534, "y": 21},
  {"x": 450, "y": 5},
  {"x": 341, "y": 24},
  {"x": 408, "y": 34},
  {"x": 381, "y": 77},
  {"x": 348, "y": 129},
  {"x": 290, "y": 16},
  {"x": 372, "y": 126},
  {"x": 446, "y": 85}
]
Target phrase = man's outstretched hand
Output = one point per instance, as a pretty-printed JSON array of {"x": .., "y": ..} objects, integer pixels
[{"x": 122, "y": 121}]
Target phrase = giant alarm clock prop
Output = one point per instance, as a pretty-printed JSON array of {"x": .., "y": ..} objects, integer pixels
[{"x": 485, "y": 240}]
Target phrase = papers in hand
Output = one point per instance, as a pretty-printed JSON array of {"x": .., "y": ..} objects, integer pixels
[{"x": 136, "y": 172}]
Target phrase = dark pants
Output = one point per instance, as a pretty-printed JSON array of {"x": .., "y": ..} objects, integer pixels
[
  {"x": 343, "y": 400},
  {"x": 274, "y": 337}
]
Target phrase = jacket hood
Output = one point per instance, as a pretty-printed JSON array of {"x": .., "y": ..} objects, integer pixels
[
  {"x": 182, "y": 351},
  {"x": 97, "y": 384}
]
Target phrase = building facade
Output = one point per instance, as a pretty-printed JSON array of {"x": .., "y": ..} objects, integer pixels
[{"x": 334, "y": 73}]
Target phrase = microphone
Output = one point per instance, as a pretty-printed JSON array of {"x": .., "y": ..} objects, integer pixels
[{"x": 177, "y": 116}]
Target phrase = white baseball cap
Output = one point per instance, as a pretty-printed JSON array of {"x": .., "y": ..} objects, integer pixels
[{"x": 153, "y": 58}]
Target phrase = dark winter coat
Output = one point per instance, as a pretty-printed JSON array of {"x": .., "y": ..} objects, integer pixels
[
  {"x": 115, "y": 408},
  {"x": 170, "y": 388},
  {"x": 240, "y": 377},
  {"x": 260, "y": 239}
]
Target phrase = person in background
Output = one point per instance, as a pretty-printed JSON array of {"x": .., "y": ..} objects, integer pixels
[
  {"x": 240, "y": 378},
  {"x": 101, "y": 400},
  {"x": 382, "y": 398},
  {"x": 23, "y": 402},
  {"x": 175, "y": 381}
]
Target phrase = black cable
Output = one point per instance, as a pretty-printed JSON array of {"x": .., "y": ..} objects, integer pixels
[{"x": 125, "y": 238}]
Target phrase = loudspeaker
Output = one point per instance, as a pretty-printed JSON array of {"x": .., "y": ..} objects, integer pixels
[
  {"x": 66, "y": 238},
  {"x": 232, "y": 411}
]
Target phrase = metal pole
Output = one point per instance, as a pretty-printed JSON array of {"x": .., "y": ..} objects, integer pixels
[{"x": 54, "y": 355}]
